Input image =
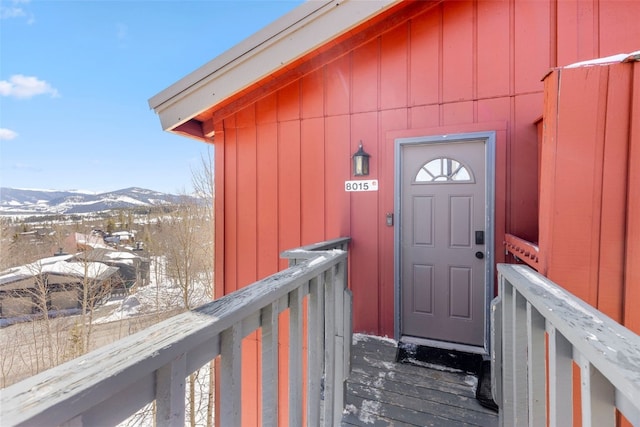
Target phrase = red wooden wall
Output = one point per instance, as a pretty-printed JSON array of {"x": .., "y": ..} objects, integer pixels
[
  {"x": 460, "y": 66},
  {"x": 283, "y": 160},
  {"x": 590, "y": 190}
]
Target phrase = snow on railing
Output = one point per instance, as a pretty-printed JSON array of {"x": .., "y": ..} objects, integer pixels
[
  {"x": 110, "y": 384},
  {"x": 539, "y": 330}
]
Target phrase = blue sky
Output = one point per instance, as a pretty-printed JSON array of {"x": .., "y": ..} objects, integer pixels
[{"x": 75, "y": 77}]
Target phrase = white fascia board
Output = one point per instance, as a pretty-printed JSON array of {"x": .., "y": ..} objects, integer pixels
[{"x": 297, "y": 33}]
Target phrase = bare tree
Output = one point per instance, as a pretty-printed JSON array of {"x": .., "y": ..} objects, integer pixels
[
  {"x": 97, "y": 280},
  {"x": 202, "y": 182}
]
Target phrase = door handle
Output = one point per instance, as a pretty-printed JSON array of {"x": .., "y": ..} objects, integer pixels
[{"x": 479, "y": 254}]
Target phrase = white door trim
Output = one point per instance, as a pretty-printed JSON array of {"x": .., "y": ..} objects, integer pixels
[{"x": 489, "y": 139}]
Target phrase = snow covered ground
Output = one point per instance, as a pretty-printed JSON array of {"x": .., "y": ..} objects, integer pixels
[{"x": 160, "y": 295}]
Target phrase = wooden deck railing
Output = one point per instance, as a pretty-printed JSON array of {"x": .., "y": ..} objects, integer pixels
[
  {"x": 522, "y": 250},
  {"x": 535, "y": 325},
  {"x": 108, "y": 385}
]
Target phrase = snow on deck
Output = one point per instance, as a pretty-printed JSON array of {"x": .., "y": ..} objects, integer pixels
[{"x": 382, "y": 392}]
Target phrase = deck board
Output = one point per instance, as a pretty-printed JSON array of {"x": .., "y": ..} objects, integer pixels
[{"x": 381, "y": 392}]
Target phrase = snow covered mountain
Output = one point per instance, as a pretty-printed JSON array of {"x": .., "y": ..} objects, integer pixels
[{"x": 15, "y": 201}]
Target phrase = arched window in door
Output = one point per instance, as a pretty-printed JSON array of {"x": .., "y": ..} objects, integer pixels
[{"x": 443, "y": 170}]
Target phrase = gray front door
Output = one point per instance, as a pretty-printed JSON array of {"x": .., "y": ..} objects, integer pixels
[{"x": 442, "y": 241}]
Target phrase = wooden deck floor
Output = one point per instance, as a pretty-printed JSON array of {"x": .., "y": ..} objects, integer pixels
[{"x": 381, "y": 392}]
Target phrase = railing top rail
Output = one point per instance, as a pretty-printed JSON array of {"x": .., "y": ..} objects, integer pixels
[
  {"x": 70, "y": 389},
  {"x": 338, "y": 243},
  {"x": 613, "y": 349}
]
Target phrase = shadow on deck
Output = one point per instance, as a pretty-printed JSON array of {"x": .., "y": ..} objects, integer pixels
[{"x": 381, "y": 392}]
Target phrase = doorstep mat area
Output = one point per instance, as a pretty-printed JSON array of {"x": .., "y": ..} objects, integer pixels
[{"x": 430, "y": 357}]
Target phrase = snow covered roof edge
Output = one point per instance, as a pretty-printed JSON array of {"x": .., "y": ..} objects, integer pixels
[{"x": 613, "y": 59}]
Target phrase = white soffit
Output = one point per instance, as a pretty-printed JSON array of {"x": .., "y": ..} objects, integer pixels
[{"x": 309, "y": 26}]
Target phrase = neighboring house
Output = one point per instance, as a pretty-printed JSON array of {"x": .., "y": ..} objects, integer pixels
[
  {"x": 54, "y": 284},
  {"x": 447, "y": 98},
  {"x": 133, "y": 268},
  {"x": 81, "y": 241},
  {"x": 124, "y": 236}
]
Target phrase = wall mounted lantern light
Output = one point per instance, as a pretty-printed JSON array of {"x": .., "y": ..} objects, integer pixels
[{"x": 361, "y": 162}]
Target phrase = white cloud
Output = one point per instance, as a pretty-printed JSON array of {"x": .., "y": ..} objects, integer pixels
[
  {"x": 20, "y": 86},
  {"x": 7, "y": 134},
  {"x": 15, "y": 10},
  {"x": 26, "y": 166},
  {"x": 7, "y": 12}
]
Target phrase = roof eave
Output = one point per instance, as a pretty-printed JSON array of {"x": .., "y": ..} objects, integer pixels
[{"x": 309, "y": 26}]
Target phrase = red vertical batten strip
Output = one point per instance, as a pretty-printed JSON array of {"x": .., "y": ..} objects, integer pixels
[
  {"x": 231, "y": 211},
  {"x": 457, "y": 54},
  {"x": 531, "y": 41},
  {"x": 312, "y": 181},
  {"x": 632, "y": 250},
  {"x": 267, "y": 185},
  {"x": 567, "y": 32},
  {"x": 364, "y": 231},
  {"x": 616, "y": 26},
  {"x": 493, "y": 50},
  {"x": 548, "y": 170},
  {"x": 614, "y": 192},
  {"x": 393, "y": 68},
  {"x": 338, "y": 164},
  {"x": 219, "y": 205},
  {"x": 597, "y": 183}
]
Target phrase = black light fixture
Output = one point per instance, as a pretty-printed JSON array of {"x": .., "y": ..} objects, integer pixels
[{"x": 361, "y": 162}]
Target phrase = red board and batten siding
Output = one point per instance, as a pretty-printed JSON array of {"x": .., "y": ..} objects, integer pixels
[
  {"x": 590, "y": 190},
  {"x": 589, "y": 220},
  {"x": 452, "y": 67},
  {"x": 462, "y": 66}
]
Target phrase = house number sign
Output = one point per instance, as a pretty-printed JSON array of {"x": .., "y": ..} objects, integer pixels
[{"x": 361, "y": 185}]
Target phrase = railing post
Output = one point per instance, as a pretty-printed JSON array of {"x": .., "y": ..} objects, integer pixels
[
  {"x": 520, "y": 388},
  {"x": 231, "y": 381},
  {"x": 560, "y": 379},
  {"x": 338, "y": 333},
  {"x": 597, "y": 395},
  {"x": 348, "y": 330},
  {"x": 536, "y": 359},
  {"x": 496, "y": 350},
  {"x": 269, "y": 323},
  {"x": 508, "y": 406},
  {"x": 329, "y": 347},
  {"x": 315, "y": 341},
  {"x": 295, "y": 357},
  {"x": 170, "y": 389}
]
